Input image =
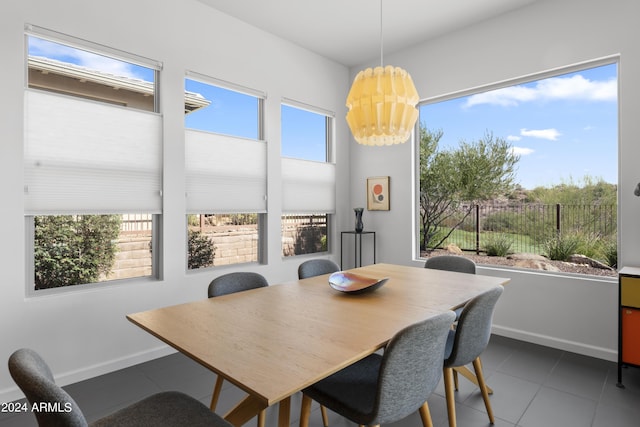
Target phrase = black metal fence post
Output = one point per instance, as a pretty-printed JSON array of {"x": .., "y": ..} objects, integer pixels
[{"x": 477, "y": 229}]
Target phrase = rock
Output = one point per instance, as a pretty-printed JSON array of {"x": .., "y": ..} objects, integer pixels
[
  {"x": 585, "y": 260},
  {"x": 451, "y": 248},
  {"x": 535, "y": 265},
  {"x": 526, "y": 256}
]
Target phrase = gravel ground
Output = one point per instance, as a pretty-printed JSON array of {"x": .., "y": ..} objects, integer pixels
[{"x": 565, "y": 267}]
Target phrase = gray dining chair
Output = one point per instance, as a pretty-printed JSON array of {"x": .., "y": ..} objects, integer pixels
[
  {"x": 34, "y": 377},
  {"x": 312, "y": 268},
  {"x": 386, "y": 388},
  {"x": 454, "y": 263},
  {"x": 228, "y": 284},
  {"x": 466, "y": 343},
  {"x": 316, "y": 267},
  {"x": 235, "y": 282}
]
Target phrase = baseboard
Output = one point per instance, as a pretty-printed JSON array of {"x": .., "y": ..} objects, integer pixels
[
  {"x": 560, "y": 344},
  {"x": 14, "y": 393}
]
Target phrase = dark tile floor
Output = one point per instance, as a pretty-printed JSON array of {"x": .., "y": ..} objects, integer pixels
[{"x": 533, "y": 386}]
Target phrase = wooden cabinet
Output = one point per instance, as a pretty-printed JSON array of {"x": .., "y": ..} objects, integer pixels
[{"x": 628, "y": 319}]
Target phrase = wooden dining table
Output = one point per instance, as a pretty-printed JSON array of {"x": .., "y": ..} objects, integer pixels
[{"x": 274, "y": 341}]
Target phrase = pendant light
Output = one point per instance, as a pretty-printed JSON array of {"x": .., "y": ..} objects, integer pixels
[{"x": 382, "y": 104}]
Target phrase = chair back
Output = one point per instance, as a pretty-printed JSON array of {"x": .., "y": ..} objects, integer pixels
[
  {"x": 411, "y": 368},
  {"x": 455, "y": 263},
  {"x": 316, "y": 267},
  {"x": 235, "y": 282},
  {"x": 33, "y": 376},
  {"x": 472, "y": 333}
]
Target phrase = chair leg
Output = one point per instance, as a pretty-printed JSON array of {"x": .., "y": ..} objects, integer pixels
[
  {"x": 477, "y": 367},
  {"x": 216, "y": 393},
  {"x": 425, "y": 414},
  {"x": 262, "y": 416},
  {"x": 305, "y": 410},
  {"x": 325, "y": 418},
  {"x": 455, "y": 379},
  {"x": 451, "y": 402},
  {"x": 465, "y": 372}
]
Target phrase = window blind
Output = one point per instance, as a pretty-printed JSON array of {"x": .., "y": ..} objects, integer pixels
[
  {"x": 308, "y": 187},
  {"x": 85, "y": 157},
  {"x": 225, "y": 174}
]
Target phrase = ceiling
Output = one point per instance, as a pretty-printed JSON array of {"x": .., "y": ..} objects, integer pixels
[{"x": 348, "y": 31}]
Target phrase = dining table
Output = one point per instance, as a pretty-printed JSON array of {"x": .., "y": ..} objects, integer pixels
[{"x": 273, "y": 342}]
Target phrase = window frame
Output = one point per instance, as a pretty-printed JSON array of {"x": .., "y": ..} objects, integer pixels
[
  {"x": 261, "y": 222},
  {"x": 156, "y": 218},
  {"x": 329, "y": 129},
  {"x": 525, "y": 79}
]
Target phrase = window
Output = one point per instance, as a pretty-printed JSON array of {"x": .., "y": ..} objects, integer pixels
[
  {"x": 532, "y": 168},
  {"x": 92, "y": 162},
  {"x": 226, "y": 164},
  {"x": 308, "y": 178}
]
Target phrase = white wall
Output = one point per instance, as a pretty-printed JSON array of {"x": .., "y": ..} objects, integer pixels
[
  {"x": 85, "y": 333},
  {"x": 571, "y": 313}
]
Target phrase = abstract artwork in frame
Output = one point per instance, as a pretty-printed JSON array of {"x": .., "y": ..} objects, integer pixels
[{"x": 378, "y": 193}]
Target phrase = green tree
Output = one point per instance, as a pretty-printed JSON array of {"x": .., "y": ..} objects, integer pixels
[
  {"x": 450, "y": 179},
  {"x": 74, "y": 249}
]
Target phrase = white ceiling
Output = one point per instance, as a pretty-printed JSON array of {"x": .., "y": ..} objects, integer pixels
[{"x": 348, "y": 31}]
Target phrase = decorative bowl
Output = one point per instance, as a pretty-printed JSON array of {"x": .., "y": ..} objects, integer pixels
[{"x": 354, "y": 283}]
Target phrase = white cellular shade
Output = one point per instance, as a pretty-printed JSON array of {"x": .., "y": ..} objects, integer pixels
[
  {"x": 308, "y": 187},
  {"x": 86, "y": 157},
  {"x": 225, "y": 174}
]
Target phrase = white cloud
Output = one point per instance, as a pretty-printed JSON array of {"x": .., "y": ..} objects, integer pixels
[
  {"x": 514, "y": 138},
  {"x": 521, "y": 151},
  {"x": 556, "y": 88},
  {"x": 550, "y": 134},
  {"x": 47, "y": 49}
]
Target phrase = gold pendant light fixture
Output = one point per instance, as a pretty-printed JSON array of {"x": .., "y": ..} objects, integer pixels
[{"x": 382, "y": 104}]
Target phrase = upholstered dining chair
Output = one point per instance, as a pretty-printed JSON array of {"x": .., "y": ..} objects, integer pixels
[
  {"x": 451, "y": 263},
  {"x": 386, "y": 388},
  {"x": 34, "y": 377},
  {"x": 455, "y": 263},
  {"x": 312, "y": 268},
  {"x": 235, "y": 282},
  {"x": 228, "y": 284},
  {"x": 466, "y": 343},
  {"x": 316, "y": 267}
]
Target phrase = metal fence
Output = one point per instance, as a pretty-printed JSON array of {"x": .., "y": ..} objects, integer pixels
[{"x": 528, "y": 226}]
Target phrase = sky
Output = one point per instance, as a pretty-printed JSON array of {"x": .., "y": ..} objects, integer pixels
[
  {"x": 563, "y": 128},
  {"x": 230, "y": 113}
]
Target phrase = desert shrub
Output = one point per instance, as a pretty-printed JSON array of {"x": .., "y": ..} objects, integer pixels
[
  {"x": 201, "y": 250},
  {"x": 610, "y": 253},
  {"x": 498, "y": 244},
  {"x": 74, "y": 249},
  {"x": 591, "y": 245},
  {"x": 561, "y": 246}
]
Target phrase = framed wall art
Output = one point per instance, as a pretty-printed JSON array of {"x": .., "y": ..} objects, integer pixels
[{"x": 378, "y": 193}]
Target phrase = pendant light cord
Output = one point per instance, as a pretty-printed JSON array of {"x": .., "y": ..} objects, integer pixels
[{"x": 381, "y": 41}]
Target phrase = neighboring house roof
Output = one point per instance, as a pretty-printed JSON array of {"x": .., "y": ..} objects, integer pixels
[{"x": 192, "y": 100}]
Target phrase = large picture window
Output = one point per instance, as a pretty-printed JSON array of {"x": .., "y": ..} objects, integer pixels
[
  {"x": 226, "y": 169},
  {"x": 92, "y": 162},
  {"x": 531, "y": 173}
]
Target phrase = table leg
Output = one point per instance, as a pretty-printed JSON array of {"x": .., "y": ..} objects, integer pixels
[
  {"x": 248, "y": 408},
  {"x": 284, "y": 412}
]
